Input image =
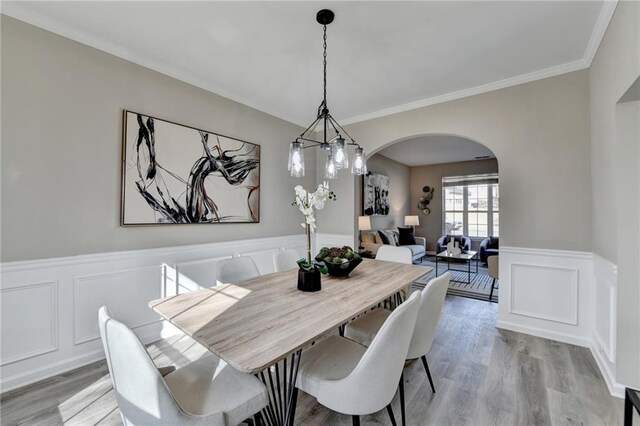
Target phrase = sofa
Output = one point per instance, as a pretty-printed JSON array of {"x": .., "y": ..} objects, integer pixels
[
  {"x": 463, "y": 242},
  {"x": 489, "y": 247},
  {"x": 372, "y": 241}
]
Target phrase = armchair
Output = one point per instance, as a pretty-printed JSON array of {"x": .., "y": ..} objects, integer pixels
[
  {"x": 489, "y": 247},
  {"x": 464, "y": 242}
]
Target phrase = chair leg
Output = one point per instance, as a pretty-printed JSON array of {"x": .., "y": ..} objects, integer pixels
[
  {"x": 257, "y": 419},
  {"x": 493, "y": 283},
  {"x": 402, "y": 406},
  {"x": 355, "y": 420},
  {"x": 391, "y": 416},
  {"x": 426, "y": 368}
]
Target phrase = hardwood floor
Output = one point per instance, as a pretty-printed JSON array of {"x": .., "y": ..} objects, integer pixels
[{"x": 483, "y": 376}]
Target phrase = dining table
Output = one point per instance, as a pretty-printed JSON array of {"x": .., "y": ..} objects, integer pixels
[{"x": 262, "y": 325}]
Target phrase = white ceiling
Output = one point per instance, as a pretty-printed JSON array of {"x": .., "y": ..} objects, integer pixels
[
  {"x": 384, "y": 57},
  {"x": 435, "y": 149}
]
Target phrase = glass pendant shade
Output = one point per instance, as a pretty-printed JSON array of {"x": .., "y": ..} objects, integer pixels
[
  {"x": 359, "y": 166},
  {"x": 334, "y": 139},
  {"x": 296, "y": 159},
  {"x": 330, "y": 170},
  {"x": 340, "y": 155}
]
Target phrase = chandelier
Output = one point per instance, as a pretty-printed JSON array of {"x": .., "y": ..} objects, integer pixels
[{"x": 333, "y": 141}]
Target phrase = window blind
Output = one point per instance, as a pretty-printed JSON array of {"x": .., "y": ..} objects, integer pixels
[{"x": 486, "y": 179}]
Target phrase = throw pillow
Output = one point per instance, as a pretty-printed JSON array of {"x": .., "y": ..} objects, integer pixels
[
  {"x": 493, "y": 242},
  {"x": 368, "y": 237},
  {"x": 388, "y": 237},
  {"x": 457, "y": 238},
  {"x": 383, "y": 237},
  {"x": 394, "y": 233},
  {"x": 405, "y": 236}
]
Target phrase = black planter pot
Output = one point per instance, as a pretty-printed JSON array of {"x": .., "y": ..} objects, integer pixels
[{"x": 309, "y": 281}]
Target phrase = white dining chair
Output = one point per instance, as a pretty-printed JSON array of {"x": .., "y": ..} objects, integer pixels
[
  {"x": 283, "y": 260},
  {"x": 351, "y": 379},
  {"x": 236, "y": 269},
  {"x": 399, "y": 255},
  {"x": 394, "y": 254},
  {"x": 493, "y": 262},
  {"x": 364, "y": 329},
  {"x": 204, "y": 392}
]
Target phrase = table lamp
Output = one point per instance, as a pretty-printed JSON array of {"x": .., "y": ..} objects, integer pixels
[
  {"x": 364, "y": 224},
  {"x": 411, "y": 221}
]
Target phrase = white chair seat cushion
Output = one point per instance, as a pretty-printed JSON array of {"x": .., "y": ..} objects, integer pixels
[
  {"x": 331, "y": 359},
  {"x": 365, "y": 328},
  {"x": 210, "y": 385}
]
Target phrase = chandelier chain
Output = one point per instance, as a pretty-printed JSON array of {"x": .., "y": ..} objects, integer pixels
[{"x": 324, "y": 61}]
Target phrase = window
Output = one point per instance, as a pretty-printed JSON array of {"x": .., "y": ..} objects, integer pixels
[{"x": 471, "y": 206}]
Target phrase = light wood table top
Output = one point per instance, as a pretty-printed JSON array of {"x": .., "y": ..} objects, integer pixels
[{"x": 256, "y": 323}]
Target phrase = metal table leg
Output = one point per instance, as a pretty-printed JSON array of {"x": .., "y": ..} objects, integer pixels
[{"x": 282, "y": 391}]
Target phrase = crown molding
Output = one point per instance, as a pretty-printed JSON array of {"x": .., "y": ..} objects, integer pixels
[
  {"x": 16, "y": 11},
  {"x": 599, "y": 29},
  {"x": 477, "y": 90},
  {"x": 604, "y": 18}
]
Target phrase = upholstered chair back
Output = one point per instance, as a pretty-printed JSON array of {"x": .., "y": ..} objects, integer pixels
[
  {"x": 494, "y": 266},
  {"x": 142, "y": 394},
  {"x": 236, "y": 269},
  {"x": 373, "y": 383},
  {"x": 430, "y": 308},
  {"x": 283, "y": 260},
  {"x": 394, "y": 254}
]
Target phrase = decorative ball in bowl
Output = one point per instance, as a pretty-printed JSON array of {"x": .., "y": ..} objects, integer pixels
[{"x": 340, "y": 261}]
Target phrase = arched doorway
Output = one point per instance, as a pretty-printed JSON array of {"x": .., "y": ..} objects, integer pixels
[{"x": 445, "y": 184}]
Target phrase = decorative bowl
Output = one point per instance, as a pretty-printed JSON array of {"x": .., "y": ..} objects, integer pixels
[{"x": 343, "y": 269}]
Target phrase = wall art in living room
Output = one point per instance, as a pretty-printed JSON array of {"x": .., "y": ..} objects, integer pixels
[
  {"x": 375, "y": 195},
  {"x": 175, "y": 174}
]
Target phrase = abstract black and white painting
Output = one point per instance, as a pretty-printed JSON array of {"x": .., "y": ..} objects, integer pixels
[
  {"x": 175, "y": 174},
  {"x": 376, "y": 195}
]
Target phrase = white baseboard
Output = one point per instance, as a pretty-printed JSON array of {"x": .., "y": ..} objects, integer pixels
[
  {"x": 147, "y": 334},
  {"x": 615, "y": 388},
  {"x": 544, "y": 333}
]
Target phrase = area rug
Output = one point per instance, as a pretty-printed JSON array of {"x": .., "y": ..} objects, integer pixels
[{"x": 479, "y": 288}]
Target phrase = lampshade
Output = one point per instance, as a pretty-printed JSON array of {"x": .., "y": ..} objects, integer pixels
[
  {"x": 364, "y": 223},
  {"x": 411, "y": 221}
]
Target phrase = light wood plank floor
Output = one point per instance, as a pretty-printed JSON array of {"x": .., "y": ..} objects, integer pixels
[{"x": 483, "y": 376}]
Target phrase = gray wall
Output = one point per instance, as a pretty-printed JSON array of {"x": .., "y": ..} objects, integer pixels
[
  {"x": 399, "y": 196},
  {"x": 615, "y": 168},
  {"x": 61, "y": 145},
  {"x": 539, "y": 133},
  {"x": 431, "y": 225}
]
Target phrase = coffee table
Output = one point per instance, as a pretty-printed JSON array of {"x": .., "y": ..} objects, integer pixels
[{"x": 466, "y": 256}]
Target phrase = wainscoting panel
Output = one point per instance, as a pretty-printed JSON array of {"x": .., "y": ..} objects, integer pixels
[
  {"x": 335, "y": 240},
  {"x": 531, "y": 286},
  {"x": 603, "y": 347},
  {"x": 547, "y": 293},
  {"x": 29, "y": 321},
  {"x": 605, "y": 276},
  {"x": 125, "y": 293},
  {"x": 49, "y": 306}
]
